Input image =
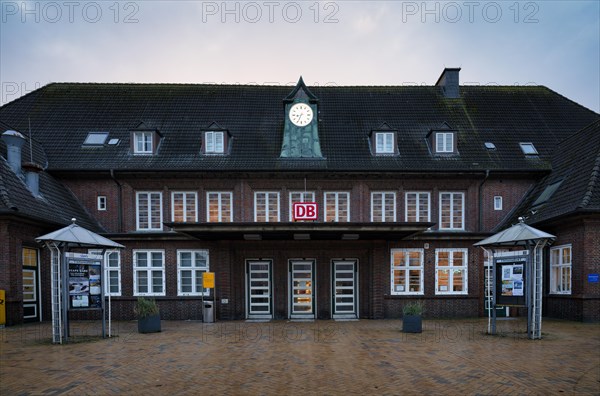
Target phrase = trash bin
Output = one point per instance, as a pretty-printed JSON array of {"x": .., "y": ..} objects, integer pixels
[{"x": 207, "y": 312}]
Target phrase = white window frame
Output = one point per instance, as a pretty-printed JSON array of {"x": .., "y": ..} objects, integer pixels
[
  {"x": 101, "y": 203},
  {"x": 498, "y": 202},
  {"x": 444, "y": 142},
  {"x": 407, "y": 268},
  {"x": 150, "y": 219},
  {"x": 268, "y": 195},
  {"x": 194, "y": 268},
  {"x": 418, "y": 195},
  {"x": 384, "y": 214},
  {"x": 108, "y": 269},
  {"x": 464, "y": 267},
  {"x": 384, "y": 143},
  {"x": 215, "y": 142},
  {"x": 556, "y": 280},
  {"x": 148, "y": 269},
  {"x": 143, "y": 142},
  {"x": 337, "y": 195},
  {"x": 219, "y": 195},
  {"x": 303, "y": 198},
  {"x": 186, "y": 196},
  {"x": 462, "y": 221}
]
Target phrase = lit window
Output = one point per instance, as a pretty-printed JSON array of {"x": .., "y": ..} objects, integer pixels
[
  {"x": 528, "y": 148},
  {"x": 452, "y": 209},
  {"x": 417, "y": 206},
  {"x": 101, "y": 202},
  {"x": 497, "y": 203},
  {"x": 296, "y": 197},
  {"x": 337, "y": 206},
  {"x": 148, "y": 273},
  {"x": 451, "y": 267},
  {"x": 149, "y": 211},
  {"x": 383, "y": 206},
  {"x": 184, "y": 207},
  {"x": 444, "y": 142},
  {"x": 191, "y": 264},
  {"x": 560, "y": 269},
  {"x": 266, "y": 206},
  {"x": 407, "y": 271},
  {"x": 218, "y": 207},
  {"x": 95, "y": 139},
  {"x": 214, "y": 142},
  {"x": 384, "y": 142},
  {"x": 112, "y": 266},
  {"x": 142, "y": 142}
]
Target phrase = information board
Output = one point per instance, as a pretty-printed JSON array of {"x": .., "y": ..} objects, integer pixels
[
  {"x": 84, "y": 280},
  {"x": 510, "y": 280}
]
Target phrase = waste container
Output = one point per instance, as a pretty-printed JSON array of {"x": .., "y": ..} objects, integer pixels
[{"x": 207, "y": 312}]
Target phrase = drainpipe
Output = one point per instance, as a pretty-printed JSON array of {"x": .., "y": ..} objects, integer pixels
[
  {"x": 487, "y": 175},
  {"x": 119, "y": 200}
]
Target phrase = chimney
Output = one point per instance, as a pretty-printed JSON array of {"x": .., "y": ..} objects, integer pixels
[
  {"x": 449, "y": 82},
  {"x": 32, "y": 177},
  {"x": 14, "y": 141}
]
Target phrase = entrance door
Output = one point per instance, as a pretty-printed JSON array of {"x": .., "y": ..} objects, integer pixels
[
  {"x": 259, "y": 289},
  {"x": 31, "y": 306},
  {"x": 501, "y": 312},
  {"x": 344, "y": 288},
  {"x": 302, "y": 291}
]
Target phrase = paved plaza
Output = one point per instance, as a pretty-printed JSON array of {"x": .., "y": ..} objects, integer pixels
[{"x": 451, "y": 357}]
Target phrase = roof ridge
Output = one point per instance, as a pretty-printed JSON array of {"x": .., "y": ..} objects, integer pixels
[{"x": 592, "y": 183}]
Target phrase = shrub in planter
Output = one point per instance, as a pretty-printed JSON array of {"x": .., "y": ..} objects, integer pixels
[
  {"x": 148, "y": 315},
  {"x": 412, "y": 317}
]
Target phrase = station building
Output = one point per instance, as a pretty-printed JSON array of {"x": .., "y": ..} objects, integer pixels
[{"x": 194, "y": 178}]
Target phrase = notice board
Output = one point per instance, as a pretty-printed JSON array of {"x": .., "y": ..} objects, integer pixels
[{"x": 84, "y": 280}]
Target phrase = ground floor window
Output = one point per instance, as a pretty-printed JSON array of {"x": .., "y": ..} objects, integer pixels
[
  {"x": 112, "y": 263},
  {"x": 451, "y": 271},
  {"x": 191, "y": 264},
  {"x": 407, "y": 271},
  {"x": 560, "y": 269},
  {"x": 148, "y": 273}
]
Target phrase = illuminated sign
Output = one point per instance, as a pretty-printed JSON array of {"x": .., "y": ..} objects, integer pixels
[{"x": 305, "y": 211}]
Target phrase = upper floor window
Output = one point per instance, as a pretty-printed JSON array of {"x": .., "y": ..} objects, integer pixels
[
  {"x": 214, "y": 142},
  {"x": 337, "y": 206},
  {"x": 560, "y": 269},
  {"x": 149, "y": 211},
  {"x": 497, "y": 202},
  {"x": 384, "y": 143},
  {"x": 528, "y": 148},
  {"x": 101, "y": 202},
  {"x": 266, "y": 206},
  {"x": 444, "y": 142},
  {"x": 143, "y": 142},
  {"x": 452, "y": 211},
  {"x": 451, "y": 266},
  {"x": 184, "y": 207},
  {"x": 191, "y": 264},
  {"x": 383, "y": 206},
  {"x": 218, "y": 207},
  {"x": 300, "y": 196},
  {"x": 407, "y": 271},
  {"x": 417, "y": 206}
]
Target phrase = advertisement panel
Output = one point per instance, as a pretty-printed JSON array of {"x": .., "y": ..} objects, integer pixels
[
  {"x": 84, "y": 280},
  {"x": 510, "y": 280}
]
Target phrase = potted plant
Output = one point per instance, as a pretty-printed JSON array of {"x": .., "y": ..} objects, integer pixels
[
  {"x": 148, "y": 315},
  {"x": 412, "y": 317}
]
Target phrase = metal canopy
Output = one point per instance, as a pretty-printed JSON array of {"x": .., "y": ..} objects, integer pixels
[
  {"x": 78, "y": 236},
  {"x": 518, "y": 234}
]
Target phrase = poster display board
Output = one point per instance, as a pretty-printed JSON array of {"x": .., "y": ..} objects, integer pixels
[
  {"x": 84, "y": 280},
  {"x": 510, "y": 280}
]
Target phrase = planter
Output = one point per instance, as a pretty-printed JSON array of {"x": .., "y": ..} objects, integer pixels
[
  {"x": 149, "y": 324},
  {"x": 412, "y": 324}
]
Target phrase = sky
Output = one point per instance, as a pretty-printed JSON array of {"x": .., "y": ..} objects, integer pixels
[{"x": 550, "y": 43}]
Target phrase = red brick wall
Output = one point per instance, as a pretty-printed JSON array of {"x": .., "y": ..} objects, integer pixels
[{"x": 512, "y": 192}]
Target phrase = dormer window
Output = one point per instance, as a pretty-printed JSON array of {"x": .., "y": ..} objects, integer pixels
[
  {"x": 528, "y": 149},
  {"x": 384, "y": 142},
  {"x": 143, "y": 142},
  {"x": 214, "y": 142},
  {"x": 444, "y": 142}
]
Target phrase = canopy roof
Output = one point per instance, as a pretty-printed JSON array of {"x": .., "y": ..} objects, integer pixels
[
  {"x": 79, "y": 236},
  {"x": 518, "y": 234}
]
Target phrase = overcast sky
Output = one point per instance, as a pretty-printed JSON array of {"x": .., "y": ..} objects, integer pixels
[{"x": 550, "y": 43}]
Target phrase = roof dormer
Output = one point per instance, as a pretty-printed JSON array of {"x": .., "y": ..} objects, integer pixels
[
  {"x": 144, "y": 140},
  {"x": 384, "y": 140},
  {"x": 442, "y": 141},
  {"x": 215, "y": 140}
]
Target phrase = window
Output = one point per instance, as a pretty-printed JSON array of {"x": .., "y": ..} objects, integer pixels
[
  {"x": 497, "y": 203},
  {"x": 148, "y": 273},
  {"x": 218, "y": 207},
  {"x": 191, "y": 264},
  {"x": 184, "y": 207},
  {"x": 383, "y": 206},
  {"x": 444, "y": 142},
  {"x": 95, "y": 139},
  {"x": 337, "y": 206},
  {"x": 101, "y": 202},
  {"x": 452, "y": 207},
  {"x": 214, "y": 142},
  {"x": 490, "y": 146},
  {"x": 266, "y": 206},
  {"x": 149, "y": 211},
  {"x": 112, "y": 270},
  {"x": 384, "y": 142},
  {"x": 142, "y": 142},
  {"x": 451, "y": 271},
  {"x": 547, "y": 193},
  {"x": 528, "y": 149},
  {"x": 560, "y": 269},
  {"x": 407, "y": 271},
  {"x": 417, "y": 206},
  {"x": 298, "y": 196},
  {"x": 30, "y": 257}
]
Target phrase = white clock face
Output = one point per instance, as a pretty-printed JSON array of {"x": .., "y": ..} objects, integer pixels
[{"x": 301, "y": 114}]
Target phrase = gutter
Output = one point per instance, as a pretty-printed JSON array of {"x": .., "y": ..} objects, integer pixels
[
  {"x": 119, "y": 200},
  {"x": 487, "y": 175}
]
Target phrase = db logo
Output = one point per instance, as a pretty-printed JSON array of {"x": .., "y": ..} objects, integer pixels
[{"x": 305, "y": 211}]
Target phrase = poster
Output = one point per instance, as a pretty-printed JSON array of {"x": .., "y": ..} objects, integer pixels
[
  {"x": 512, "y": 280},
  {"x": 85, "y": 280},
  {"x": 510, "y": 271}
]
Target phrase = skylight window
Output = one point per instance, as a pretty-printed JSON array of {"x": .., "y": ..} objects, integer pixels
[
  {"x": 547, "y": 193},
  {"x": 113, "y": 142},
  {"x": 528, "y": 148},
  {"x": 490, "y": 146},
  {"x": 95, "y": 139}
]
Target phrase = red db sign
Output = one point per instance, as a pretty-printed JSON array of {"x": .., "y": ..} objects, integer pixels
[{"x": 305, "y": 211}]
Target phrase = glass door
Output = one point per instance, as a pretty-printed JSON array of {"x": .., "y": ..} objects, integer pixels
[
  {"x": 259, "y": 289},
  {"x": 302, "y": 301},
  {"x": 344, "y": 289},
  {"x": 31, "y": 306}
]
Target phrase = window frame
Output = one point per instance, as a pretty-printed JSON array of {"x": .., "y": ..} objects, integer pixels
[
  {"x": 554, "y": 282},
  {"x": 444, "y": 141},
  {"x": 418, "y": 211},
  {"x": 291, "y": 201},
  {"x": 194, "y": 269},
  {"x": 150, "y": 219},
  {"x": 528, "y": 148},
  {"x": 337, "y": 204},
  {"x": 407, "y": 268},
  {"x": 108, "y": 269},
  {"x": 464, "y": 267},
  {"x": 101, "y": 203},
  {"x": 383, "y": 207},
  {"x": 385, "y": 135},
  {"x": 452, "y": 227},
  {"x": 219, "y": 206},
  {"x": 140, "y": 137},
  {"x": 148, "y": 269},
  {"x": 498, "y": 202},
  {"x": 211, "y": 142},
  {"x": 185, "y": 198},
  {"x": 267, "y": 214},
  {"x": 90, "y": 139}
]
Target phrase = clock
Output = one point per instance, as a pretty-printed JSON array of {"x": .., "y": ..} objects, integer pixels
[{"x": 301, "y": 114}]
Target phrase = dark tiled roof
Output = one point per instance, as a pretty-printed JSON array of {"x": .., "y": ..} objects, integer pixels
[{"x": 63, "y": 114}]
